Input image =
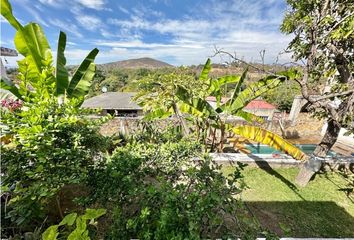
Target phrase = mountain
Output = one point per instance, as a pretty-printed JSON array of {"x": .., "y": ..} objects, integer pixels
[{"x": 136, "y": 63}]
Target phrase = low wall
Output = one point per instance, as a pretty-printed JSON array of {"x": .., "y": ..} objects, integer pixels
[
  {"x": 260, "y": 160},
  {"x": 129, "y": 125},
  {"x": 305, "y": 125},
  {"x": 271, "y": 160}
]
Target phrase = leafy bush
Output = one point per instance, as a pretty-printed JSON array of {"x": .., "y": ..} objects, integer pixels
[
  {"x": 48, "y": 146},
  {"x": 80, "y": 232},
  {"x": 157, "y": 191},
  {"x": 283, "y": 96}
]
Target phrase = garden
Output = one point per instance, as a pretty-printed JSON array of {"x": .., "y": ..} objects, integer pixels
[{"x": 62, "y": 179}]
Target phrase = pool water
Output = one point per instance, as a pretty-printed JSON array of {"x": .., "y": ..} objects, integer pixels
[{"x": 264, "y": 149}]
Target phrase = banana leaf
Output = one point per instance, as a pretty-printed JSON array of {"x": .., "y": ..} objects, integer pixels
[
  {"x": 158, "y": 114},
  {"x": 205, "y": 72},
  {"x": 8, "y": 85},
  {"x": 271, "y": 139},
  {"x": 80, "y": 73},
  {"x": 31, "y": 42},
  {"x": 217, "y": 84},
  {"x": 249, "y": 117},
  {"x": 6, "y": 12},
  {"x": 83, "y": 86},
  {"x": 238, "y": 87},
  {"x": 254, "y": 90},
  {"x": 61, "y": 73},
  {"x": 196, "y": 104}
]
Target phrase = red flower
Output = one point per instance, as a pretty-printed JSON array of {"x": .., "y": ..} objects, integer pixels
[{"x": 11, "y": 104}]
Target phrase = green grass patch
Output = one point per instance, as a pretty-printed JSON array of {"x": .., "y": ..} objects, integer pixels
[{"x": 321, "y": 209}]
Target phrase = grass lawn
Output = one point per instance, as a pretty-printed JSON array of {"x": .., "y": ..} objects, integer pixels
[{"x": 320, "y": 209}]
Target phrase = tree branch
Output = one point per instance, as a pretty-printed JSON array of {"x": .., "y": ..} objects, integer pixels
[
  {"x": 219, "y": 51},
  {"x": 337, "y": 24},
  {"x": 333, "y": 95}
]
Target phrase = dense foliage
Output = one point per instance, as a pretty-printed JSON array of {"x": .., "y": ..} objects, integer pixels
[
  {"x": 324, "y": 40},
  {"x": 82, "y": 226},
  {"x": 154, "y": 191},
  {"x": 283, "y": 96},
  {"x": 155, "y": 184},
  {"x": 48, "y": 146},
  {"x": 38, "y": 78},
  {"x": 179, "y": 93},
  {"x": 121, "y": 79}
]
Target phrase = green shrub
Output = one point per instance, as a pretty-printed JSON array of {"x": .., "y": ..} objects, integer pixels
[
  {"x": 66, "y": 227},
  {"x": 157, "y": 191},
  {"x": 47, "y": 146}
]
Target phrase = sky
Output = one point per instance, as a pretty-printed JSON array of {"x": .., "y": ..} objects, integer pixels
[{"x": 179, "y": 32}]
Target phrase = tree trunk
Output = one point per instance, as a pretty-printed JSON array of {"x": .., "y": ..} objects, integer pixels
[
  {"x": 181, "y": 119},
  {"x": 222, "y": 137},
  {"x": 312, "y": 165}
]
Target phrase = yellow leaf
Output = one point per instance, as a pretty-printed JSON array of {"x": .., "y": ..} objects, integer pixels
[{"x": 271, "y": 139}]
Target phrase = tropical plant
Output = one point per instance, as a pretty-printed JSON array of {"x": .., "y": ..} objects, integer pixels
[
  {"x": 207, "y": 118},
  {"x": 283, "y": 95},
  {"x": 324, "y": 40},
  {"x": 155, "y": 191},
  {"x": 45, "y": 146},
  {"x": 39, "y": 78},
  {"x": 158, "y": 94},
  {"x": 80, "y": 232}
]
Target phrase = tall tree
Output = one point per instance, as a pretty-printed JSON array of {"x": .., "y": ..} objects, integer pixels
[{"x": 324, "y": 39}]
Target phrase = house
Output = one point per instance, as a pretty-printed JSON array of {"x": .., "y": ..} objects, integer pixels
[
  {"x": 258, "y": 107},
  {"x": 119, "y": 104},
  {"x": 261, "y": 108}
]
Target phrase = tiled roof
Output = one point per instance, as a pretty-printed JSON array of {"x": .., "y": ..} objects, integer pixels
[
  {"x": 254, "y": 104},
  {"x": 213, "y": 99},
  {"x": 8, "y": 52},
  {"x": 112, "y": 100},
  {"x": 259, "y": 104}
]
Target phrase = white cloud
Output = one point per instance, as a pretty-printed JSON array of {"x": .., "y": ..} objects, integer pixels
[
  {"x": 186, "y": 51},
  {"x": 66, "y": 27},
  {"x": 53, "y": 3},
  {"x": 94, "y": 4},
  {"x": 3, "y": 20},
  {"x": 140, "y": 44},
  {"x": 71, "y": 43},
  {"x": 27, "y": 5},
  {"x": 246, "y": 27},
  {"x": 89, "y": 22},
  {"x": 124, "y": 10}
]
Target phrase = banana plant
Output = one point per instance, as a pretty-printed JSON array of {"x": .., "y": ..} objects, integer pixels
[
  {"x": 216, "y": 118},
  {"x": 39, "y": 78}
]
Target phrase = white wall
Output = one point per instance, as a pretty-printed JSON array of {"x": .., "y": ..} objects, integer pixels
[{"x": 341, "y": 138}]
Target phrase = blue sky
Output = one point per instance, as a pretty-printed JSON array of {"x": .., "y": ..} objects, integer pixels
[{"x": 176, "y": 31}]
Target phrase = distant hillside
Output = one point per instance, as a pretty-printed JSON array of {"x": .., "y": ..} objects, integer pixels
[{"x": 148, "y": 63}]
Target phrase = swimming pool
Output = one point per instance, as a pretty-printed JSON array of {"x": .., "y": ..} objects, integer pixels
[{"x": 264, "y": 149}]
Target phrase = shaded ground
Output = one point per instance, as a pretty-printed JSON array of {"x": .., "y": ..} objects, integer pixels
[{"x": 321, "y": 209}]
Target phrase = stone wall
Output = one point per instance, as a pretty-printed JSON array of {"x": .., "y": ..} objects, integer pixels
[
  {"x": 305, "y": 126},
  {"x": 129, "y": 125}
]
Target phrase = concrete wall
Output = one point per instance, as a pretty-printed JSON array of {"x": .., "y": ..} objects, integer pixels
[
  {"x": 348, "y": 140},
  {"x": 305, "y": 127},
  {"x": 129, "y": 125},
  {"x": 298, "y": 103}
]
